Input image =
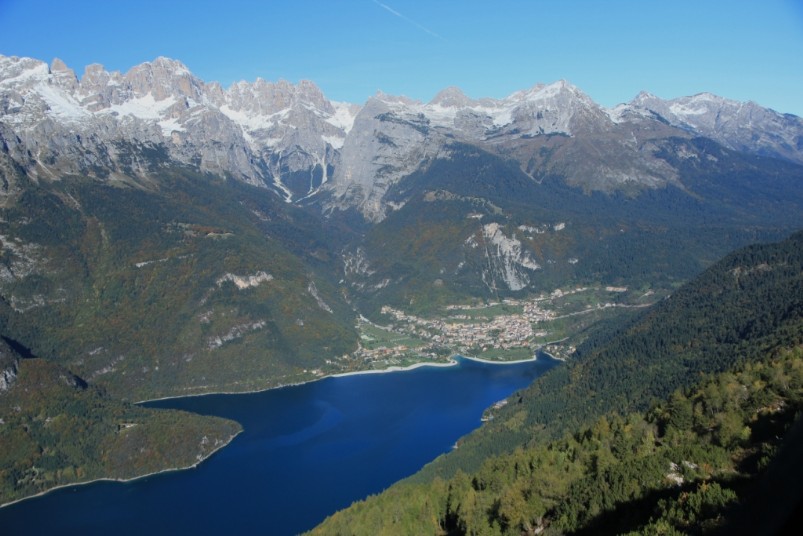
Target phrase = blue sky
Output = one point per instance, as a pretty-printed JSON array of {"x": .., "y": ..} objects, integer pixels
[{"x": 611, "y": 49}]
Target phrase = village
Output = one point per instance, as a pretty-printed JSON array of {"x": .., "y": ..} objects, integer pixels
[{"x": 507, "y": 330}]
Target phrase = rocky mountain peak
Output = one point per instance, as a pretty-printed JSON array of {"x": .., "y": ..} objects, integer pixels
[
  {"x": 58, "y": 65},
  {"x": 643, "y": 97},
  {"x": 546, "y": 92},
  {"x": 20, "y": 73},
  {"x": 450, "y": 97},
  {"x": 63, "y": 75},
  {"x": 95, "y": 75},
  {"x": 291, "y": 138},
  {"x": 163, "y": 78},
  {"x": 396, "y": 100},
  {"x": 263, "y": 97},
  {"x": 743, "y": 126},
  {"x": 559, "y": 107}
]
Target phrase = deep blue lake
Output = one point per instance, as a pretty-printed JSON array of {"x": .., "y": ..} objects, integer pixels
[{"x": 306, "y": 451}]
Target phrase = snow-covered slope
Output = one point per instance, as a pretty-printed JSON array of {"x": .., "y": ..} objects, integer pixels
[
  {"x": 394, "y": 136},
  {"x": 742, "y": 126},
  {"x": 291, "y": 138},
  {"x": 252, "y": 131}
]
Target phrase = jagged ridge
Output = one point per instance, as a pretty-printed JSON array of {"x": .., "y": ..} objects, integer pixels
[{"x": 294, "y": 140}]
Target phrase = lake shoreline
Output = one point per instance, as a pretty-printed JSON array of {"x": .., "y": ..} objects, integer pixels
[
  {"x": 452, "y": 362},
  {"x": 307, "y": 443},
  {"x": 124, "y": 480}
]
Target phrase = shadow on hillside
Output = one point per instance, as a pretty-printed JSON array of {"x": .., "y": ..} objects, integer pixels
[
  {"x": 18, "y": 347},
  {"x": 772, "y": 503}
]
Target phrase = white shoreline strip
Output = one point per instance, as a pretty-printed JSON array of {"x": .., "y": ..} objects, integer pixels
[
  {"x": 489, "y": 362},
  {"x": 452, "y": 362}
]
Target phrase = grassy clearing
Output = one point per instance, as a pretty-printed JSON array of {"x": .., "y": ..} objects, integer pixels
[
  {"x": 374, "y": 337},
  {"x": 489, "y": 312}
]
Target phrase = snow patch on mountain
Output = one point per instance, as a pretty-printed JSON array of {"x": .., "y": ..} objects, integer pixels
[
  {"x": 61, "y": 105},
  {"x": 742, "y": 126},
  {"x": 291, "y": 139},
  {"x": 146, "y": 107},
  {"x": 16, "y": 71},
  {"x": 344, "y": 115}
]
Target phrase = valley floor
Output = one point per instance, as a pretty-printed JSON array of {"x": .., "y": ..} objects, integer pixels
[{"x": 505, "y": 331}]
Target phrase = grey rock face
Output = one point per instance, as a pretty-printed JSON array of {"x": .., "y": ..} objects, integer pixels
[
  {"x": 292, "y": 139},
  {"x": 8, "y": 367},
  {"x": 742, "y": 126},
  {"x": 389, "y": 140},
  {"x": 394, "y": 136},
  {"x": 72, "y": 126},
  {"x": 7, "y": 378}
]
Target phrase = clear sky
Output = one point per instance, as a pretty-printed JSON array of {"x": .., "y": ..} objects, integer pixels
[{"x": 611, "y": 49}]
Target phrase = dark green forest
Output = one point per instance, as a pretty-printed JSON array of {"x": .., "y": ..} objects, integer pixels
[
  {"x": 131, "y": 280},
  {"x": 676, "y": 423},
  {"x": 656, "y": 237},
  {"x": 688, "y": 465},
  {"x": 741, "y": 308},
  {"x": 55, "y": 430}
]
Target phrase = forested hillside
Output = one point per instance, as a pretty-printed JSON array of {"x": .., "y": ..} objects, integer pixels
[
  {"x": 56, "y": 430},
  {"x": 743, "y": 307},
  {"x": 190, "y": 285},
  {"x": 443, "y": 242},
  {"x": 590, "y": 448},
  {"x": 687, "y": 465}
]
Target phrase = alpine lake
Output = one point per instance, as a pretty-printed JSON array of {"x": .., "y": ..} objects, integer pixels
[{"x": 306, "y": 451}]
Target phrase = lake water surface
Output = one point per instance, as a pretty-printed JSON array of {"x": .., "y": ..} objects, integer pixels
[{"x": 306, "y": 451}]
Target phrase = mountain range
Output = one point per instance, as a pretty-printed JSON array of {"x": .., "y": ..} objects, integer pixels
[
  {"x": 163, "y": 235},
  {"x": 292, "y": 139}
]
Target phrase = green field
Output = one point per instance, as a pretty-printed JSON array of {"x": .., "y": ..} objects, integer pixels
[
  {"x": 373, "y": 337},
  {"x": 491, "y": 311}
]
